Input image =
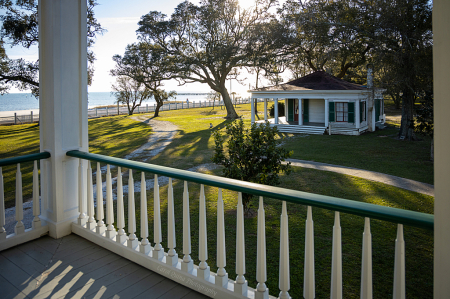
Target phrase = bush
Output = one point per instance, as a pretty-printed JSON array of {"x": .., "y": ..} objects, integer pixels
[
  {"x": 280, "y": 109},
  {"x": 253, "y": 155}
]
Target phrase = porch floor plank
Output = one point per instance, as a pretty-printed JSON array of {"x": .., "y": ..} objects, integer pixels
[{"x": 72, "y": 267}]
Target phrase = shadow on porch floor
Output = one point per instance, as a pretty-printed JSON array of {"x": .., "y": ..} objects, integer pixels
[{"x": 72, "y": 267}]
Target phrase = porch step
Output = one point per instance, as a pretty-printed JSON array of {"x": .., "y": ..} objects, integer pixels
[{"x": 300, "y": 129}]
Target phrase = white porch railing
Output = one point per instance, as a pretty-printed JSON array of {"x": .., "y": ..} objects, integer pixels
[
  {"x": 37, "y": 229},
  {"x": 199, "y": 277}
]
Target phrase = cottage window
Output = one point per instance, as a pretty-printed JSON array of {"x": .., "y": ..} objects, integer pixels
[{"x": 341, "y": 112}]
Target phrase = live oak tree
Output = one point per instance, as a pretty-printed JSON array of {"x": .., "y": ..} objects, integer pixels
[
  {"x": 208, "y": 42},
  {"x": 252, "y": 155},
  {"x": 129, "y": 92},
  {"x": 145, "y": 65},
  {"x": 20, "y": 28},
  {"x": 325, "y": 35}
]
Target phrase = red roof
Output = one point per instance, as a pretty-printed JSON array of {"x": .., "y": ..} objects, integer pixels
[{"x": 319, "y": 80}]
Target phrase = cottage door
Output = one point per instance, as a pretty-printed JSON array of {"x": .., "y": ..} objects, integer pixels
[
  {"x": 377, "y": 109},
  {"x": 290, "y": 115},
  {"x": 305, "y": 110}
]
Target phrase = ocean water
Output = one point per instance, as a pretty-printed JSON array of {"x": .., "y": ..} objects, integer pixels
[{"x": 25, "y": 101}]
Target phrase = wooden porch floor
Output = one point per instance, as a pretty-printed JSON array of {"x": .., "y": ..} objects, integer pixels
[{"x": 72, "y": 267}]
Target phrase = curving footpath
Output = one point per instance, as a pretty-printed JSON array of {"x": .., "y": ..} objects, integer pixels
[{"x": 392, "y": 180}]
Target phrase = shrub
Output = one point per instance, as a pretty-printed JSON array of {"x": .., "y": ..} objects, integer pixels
[{"x": 254, "y": 155}]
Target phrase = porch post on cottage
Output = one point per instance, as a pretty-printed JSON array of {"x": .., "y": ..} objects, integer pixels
[
  {"x": 265, "y": 109},
  {"x": 300, "y": 112},
  {"x": 63, "y": 103},
  {"x": 357, "y": 114},
  {"x": 326, "y": 113},
  {"x": 252, "y": 100},
  {"x": 276, "y": 111}
]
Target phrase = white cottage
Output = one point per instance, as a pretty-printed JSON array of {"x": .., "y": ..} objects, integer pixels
[{"x": 320, "y": 102}]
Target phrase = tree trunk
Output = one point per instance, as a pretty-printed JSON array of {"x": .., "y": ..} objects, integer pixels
[
  {"x": 231, "y": 112},
  {"x": 158, "y": 106},
  {"x": 432, "y": 149},
  {"x": 407, "y": 123}
]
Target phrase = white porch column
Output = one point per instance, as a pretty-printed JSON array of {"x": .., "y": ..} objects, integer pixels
[
  {"x": 276, "y": 111},
  {"x": 265, "y": 109},
  {"x": 300, "y": 112},
  {"x": 63, "y": 107},
  {"x": 441, "y": 65},
  {"x": 357, "y": 119},
  {"x": 252, "y": 101},
  {"x": 326, "y": 113}
]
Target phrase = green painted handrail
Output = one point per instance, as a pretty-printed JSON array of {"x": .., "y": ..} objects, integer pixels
[
  {"x": 363, "y": 209},
  {"x": 23, "y": 159}
]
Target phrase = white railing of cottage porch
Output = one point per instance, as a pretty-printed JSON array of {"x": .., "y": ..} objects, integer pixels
[
  {"x": 217, "y": 284},
  {"x": 21, "y": 234}
]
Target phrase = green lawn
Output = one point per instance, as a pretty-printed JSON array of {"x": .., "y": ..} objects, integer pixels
[
  {"x": 114, "y": 136},
  {"x": 117, "y": 136}
]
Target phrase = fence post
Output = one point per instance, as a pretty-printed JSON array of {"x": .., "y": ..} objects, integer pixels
[
  {"x": 118, "y": 109},
  {"x": 96, "y": 112},
  {"x": 31, "y": 116},
  {"x": 15, "y": 118},
  {"x": 147, "y": 108}
]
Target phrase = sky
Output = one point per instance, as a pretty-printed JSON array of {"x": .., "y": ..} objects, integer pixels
[{"x": 120, "y": 19}]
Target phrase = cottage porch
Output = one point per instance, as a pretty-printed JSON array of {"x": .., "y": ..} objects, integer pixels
[{"x": 285, "y": 126}]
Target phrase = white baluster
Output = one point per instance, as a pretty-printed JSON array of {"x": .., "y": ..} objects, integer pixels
[
  {"x": 309, "y": 291},
  {"x": 262, "y": 292},
  {"x": 111, "y": 231},
  {"x": 2, "y": 208},
  {"x": 158, "y": 251},
  {"x": 284, "y": 276},
  {"x": 121, "y": 236},
  {"x": 36, "y": 204},
  {"x": 19, "y": 228},
  {"x": 399, "y": 268},
  {"x": 241, "y": 284},
  {"x": 188, "y": 264},
  {"x": 336, "y": 260},
  {"x": 90, "y": 199},
  {"x": 145, "y": 244},
  {"x": 203, "y": 268},
  {"x": 100, "y": 229},
  {"x": 81, "y": 195},
  {"x": 366, "y": 271},
  {"x": 222, "y": 275},
  {"x": 132, "y": 240},
  {"x": 172, "y": 256}
]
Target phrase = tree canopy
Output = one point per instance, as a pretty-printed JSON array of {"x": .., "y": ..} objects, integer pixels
[
  {"x": 20, "y": 28},
  {"x": 209, "y": 42}
]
